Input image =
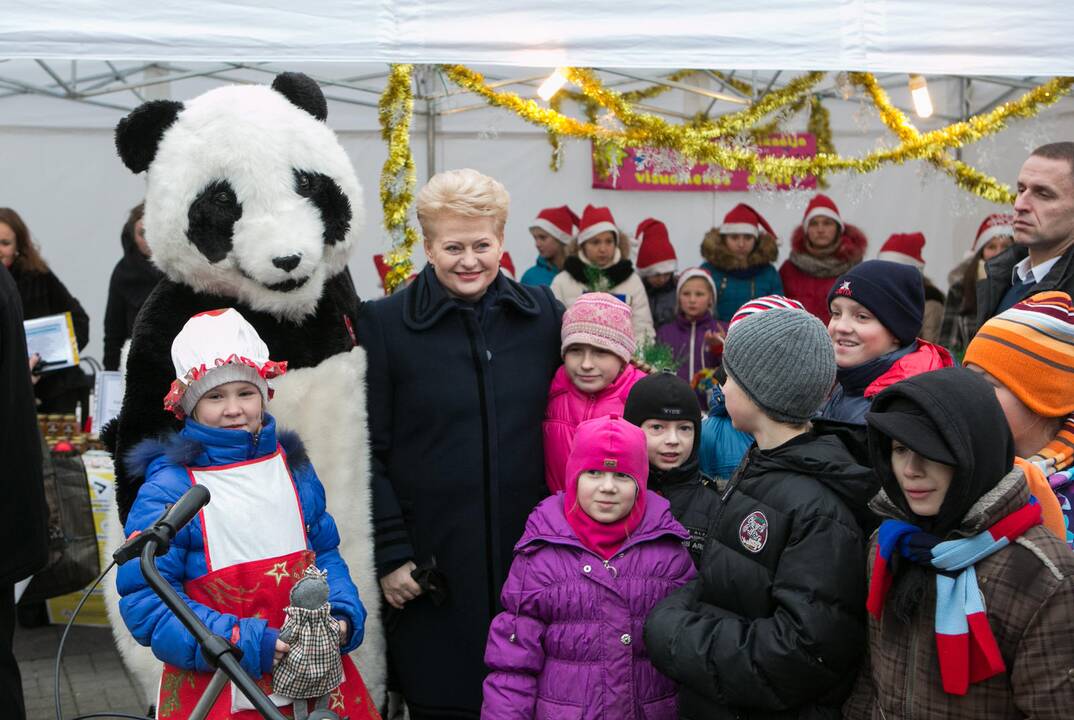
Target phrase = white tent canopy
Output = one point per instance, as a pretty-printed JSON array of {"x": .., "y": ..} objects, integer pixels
[{"x": 975, "y": 37}]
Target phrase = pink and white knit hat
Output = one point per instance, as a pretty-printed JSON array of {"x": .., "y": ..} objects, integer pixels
[
  {"x": 600, "y": 320},
  {"x": 214, "y": 348},
  {"x": 765, "y": 302}
]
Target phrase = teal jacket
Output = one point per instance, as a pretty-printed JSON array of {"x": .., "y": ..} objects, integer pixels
[
  {"x": 540, "y": 274},
  {"x": 735, "y": 288}
]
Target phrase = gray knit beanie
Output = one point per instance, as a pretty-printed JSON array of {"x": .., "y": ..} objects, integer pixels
[{"x": 783, "y": 359}]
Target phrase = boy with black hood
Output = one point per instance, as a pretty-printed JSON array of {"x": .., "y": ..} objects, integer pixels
[
  {"x": 971, "y": 599},
  {"x": 774, "y": 625},
  {"x": 665, "y": 407}
]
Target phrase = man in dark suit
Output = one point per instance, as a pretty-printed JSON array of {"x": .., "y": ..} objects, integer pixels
[
  {"x": 1042, "y": 257},
  {"x": 23, "y": 515}
]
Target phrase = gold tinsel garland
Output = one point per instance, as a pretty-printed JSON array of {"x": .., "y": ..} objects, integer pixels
[
  {"x": 397, "y": 178},
  {"x": 717, "y": 142}
]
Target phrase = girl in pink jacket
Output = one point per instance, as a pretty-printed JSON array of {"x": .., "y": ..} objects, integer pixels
[{"x": 595, "y": 378}]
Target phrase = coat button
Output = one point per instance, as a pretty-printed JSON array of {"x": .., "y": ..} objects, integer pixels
[
  {"x": 587, "y": 568},
  {"x": 625, "y": 638},
  {"x": 512, "y": 639},
  {"x": 1070, "y": 672},
  {"x": 982, "y": 580}
]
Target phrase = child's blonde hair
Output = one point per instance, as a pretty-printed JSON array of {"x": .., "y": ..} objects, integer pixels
[{"x": 463, "y": 192}]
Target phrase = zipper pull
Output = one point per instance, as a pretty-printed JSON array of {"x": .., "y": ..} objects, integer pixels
[{"x": 611, "y": 568}]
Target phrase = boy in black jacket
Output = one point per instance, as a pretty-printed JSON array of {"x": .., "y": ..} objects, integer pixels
[
  {"x": 665, "y": 407},
  {"x": 774, "y": 625}
]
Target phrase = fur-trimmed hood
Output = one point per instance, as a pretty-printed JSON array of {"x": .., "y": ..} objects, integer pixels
[
  {"x": 852, "y": 243},
  {"x": 195, "y": 441},
  {"x": 714, "y": 250}
]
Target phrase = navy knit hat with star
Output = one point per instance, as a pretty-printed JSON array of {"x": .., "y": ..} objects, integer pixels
[{"x": 894, "y": 292}]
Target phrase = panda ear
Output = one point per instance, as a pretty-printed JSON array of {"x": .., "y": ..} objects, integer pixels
[
  {"x": 138, "y": 135},
  {"x": 303, "y": 92}
]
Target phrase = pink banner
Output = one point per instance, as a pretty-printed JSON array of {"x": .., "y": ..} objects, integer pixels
[{"x": 663, "y": 170}]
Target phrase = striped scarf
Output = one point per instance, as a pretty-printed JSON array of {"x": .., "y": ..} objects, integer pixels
[
  {"x": 965, "y": 645},
  {"x": 1055, "y": 460}
]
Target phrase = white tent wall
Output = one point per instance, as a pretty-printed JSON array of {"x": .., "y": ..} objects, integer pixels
[{"x": 74, "y": 193}]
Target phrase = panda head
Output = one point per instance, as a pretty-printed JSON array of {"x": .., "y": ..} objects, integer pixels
[{"x": 249, "y": 194}]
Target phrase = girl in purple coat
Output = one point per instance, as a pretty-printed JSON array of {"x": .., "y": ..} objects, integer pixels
[
  {"x": 591, "y": 564},
  {"x": 694, "y": 335}
]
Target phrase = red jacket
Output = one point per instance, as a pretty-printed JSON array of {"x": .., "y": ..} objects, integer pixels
[{"x": 810, "y": 290}]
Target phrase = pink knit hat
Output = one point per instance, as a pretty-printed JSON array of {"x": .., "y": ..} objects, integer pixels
[
  {"x": 609, "y": 444},
  {"x": 600, "y": 320}
]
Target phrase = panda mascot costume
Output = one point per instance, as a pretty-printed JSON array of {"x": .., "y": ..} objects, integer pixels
[{"x": 252, "y": 203}]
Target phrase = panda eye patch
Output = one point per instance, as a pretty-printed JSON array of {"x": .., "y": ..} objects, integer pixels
[
  {"x": 326, "y": 195},
  {"x": 306, "y": 184},
  {"x": 211, "y": 220}
]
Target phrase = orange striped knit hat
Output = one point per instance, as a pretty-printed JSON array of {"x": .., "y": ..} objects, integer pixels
[{"x": 1030, "y": 349}]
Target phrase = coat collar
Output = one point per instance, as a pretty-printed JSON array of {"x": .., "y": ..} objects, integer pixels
[
  {"x": 548, "y": 524},
  {"x": 426, "y": 302},
  {"x": 223, "y": 447}
]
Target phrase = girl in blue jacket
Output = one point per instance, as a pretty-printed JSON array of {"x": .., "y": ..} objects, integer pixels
[{"x": 236, "y": 562}]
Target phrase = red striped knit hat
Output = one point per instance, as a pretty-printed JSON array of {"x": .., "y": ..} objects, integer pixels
[
  {"x": 1030, "y": 349},
  {"x": 765, "y": 302}
]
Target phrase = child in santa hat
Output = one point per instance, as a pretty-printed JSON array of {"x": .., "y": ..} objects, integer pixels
[
  {"x": 739, "y": 256},
  {"x": 695, "y": 336},
  {"x": 657, "y": 265},
  {"x": 995, "y": 235},
  {"x": 599, "y": 261},
  {"x": 823, "y": 247},
  {"x": 237, "y": 560},
  {"x": 552, "y": 231},
  {"x": 906, "y": 248}
]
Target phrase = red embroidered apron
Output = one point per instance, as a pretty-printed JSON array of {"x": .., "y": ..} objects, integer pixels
[{"x": 255, "y": 552}]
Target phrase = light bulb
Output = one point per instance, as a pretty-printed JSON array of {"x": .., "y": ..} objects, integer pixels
[
  {"x": 919, "y": 93},
  {"x": 552, "y": 85}
]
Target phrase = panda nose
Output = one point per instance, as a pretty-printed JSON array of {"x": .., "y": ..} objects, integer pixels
[{"x": 287, "y": 263}]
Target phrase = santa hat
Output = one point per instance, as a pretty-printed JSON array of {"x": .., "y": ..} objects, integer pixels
[
  {"x": 596, "y": 220},
  {"x": 821, "y": 206},
  {"x": 559, "y": 222},
  {"x": 994, "y": 225},
  {"x": 696, "y": 272},
  {"x": 744, "y": 220},
  {"x": 904, "y": 248},
  {"x": 214, "y": 348},
  {"x": 507, "y": 265},
  {"x": 655, "y": 256}
]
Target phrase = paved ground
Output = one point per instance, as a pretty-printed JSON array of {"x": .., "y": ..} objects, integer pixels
[{"x": 92, "y": 677}]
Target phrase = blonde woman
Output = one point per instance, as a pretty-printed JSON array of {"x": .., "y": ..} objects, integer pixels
[{"x": 459, "y": 367}]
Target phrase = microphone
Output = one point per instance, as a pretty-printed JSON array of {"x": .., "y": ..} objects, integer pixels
[
  {"x": 183, "y": 511},
  {"x": 167, "y": 526}
]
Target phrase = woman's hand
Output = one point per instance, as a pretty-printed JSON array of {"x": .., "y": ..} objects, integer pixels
[
  {"x": 399, "y": 587},
  {"x": 34, "y": 360},
  {"x": 282, "y": 649}
]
